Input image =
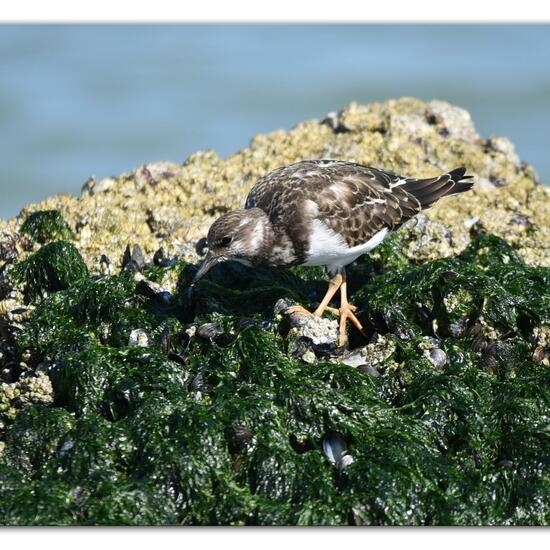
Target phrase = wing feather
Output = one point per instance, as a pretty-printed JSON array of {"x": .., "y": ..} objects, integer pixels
[{"x": 354, "y": 200}]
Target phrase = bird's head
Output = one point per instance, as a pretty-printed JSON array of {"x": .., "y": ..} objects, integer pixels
[{"x": 241, "y": 235}]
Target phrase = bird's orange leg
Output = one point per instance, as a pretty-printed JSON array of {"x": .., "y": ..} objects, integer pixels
[
  {"x": 333, "y": 287},
  {"x": 335, "y": 283},
  {"x": 346, "y": 312}
]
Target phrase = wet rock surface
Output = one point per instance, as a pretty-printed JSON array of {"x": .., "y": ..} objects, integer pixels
[{"x": 127, "y": 399}]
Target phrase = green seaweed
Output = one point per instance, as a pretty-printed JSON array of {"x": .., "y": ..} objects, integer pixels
[
  {"x": 47, "y": 225},
  {"x": 230, "y": 430},
  {"x": 100, "y": 310},
  {"x": 56, "y": 266}
]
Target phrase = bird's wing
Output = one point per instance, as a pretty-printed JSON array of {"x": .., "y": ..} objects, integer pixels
[
  {"x": 361, "y": 200},
  {"x": 354, "y": 200}
]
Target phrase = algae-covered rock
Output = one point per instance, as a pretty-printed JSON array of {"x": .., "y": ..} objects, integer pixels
[
  {"x": 128, "y": 398},
  {"x": 53, "y": 267}
]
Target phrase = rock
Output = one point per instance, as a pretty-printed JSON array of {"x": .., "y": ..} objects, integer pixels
[
  {"x": 320, "y": 330},
  {"x": 171, "y": 204},
  {"x": 26, "y": 391},
  {"x": 378, "y": 354},
  {"x": 452, "y": 121},
  {"x": 164, "y": 220},
  {"x": 424, "y": 240},
  {"x": 93, "y": 187},
  {"x": 216, "y": 409},
  {"x": 504, "y": 145}
]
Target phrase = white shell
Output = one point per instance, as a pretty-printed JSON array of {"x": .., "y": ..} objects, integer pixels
[
  {"x": 334, "y": 446},
  {"x": 138, "y": 337}
]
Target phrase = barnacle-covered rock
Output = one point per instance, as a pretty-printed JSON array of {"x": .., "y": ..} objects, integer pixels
[
  {"x": 208, "y": 407},
  {"x": 379, "y": 355},
  {"x": 174, "y": 204},
  {"x": 28, "y": 390}
]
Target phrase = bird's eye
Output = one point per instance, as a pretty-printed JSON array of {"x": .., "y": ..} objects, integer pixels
[{"x": 226, "y": 240}]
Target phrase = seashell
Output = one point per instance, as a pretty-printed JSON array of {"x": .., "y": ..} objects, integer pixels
[
  {"x": 155, "y": 292},
  {"x": 209, "y": 331},
  {"x": 332, "y": 120},
  {"x": 138, "y": 337},
  {"x": 324, "y": 350},
  {"x": 161, "y": 260},
  {"x": 300, "y": 346},
  {"x": 334, "y": 446},
  {"x": 67, "y": 446},
  {"x": 354, "y": 358},
  {"x": 538, "y": 354},
  {"x": 281, "y": 305},
  {"x": 8, "y": 248},
  {"x": 159, "y": 256},
  {"x": 133, "y": 260},
  {"x": 242, "y": 435},
  {"x": 178, "y": 358},
  {"x": 198, "y": 383},
  {"x": 137, "y": 256},
  {"x": 165, "y": 341},
  {"x": 437, "y": 357},
  {"x": 344, "y": 462}
]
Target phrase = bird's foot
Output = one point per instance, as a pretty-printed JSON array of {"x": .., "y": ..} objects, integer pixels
[{"x": 347, "y": 311}]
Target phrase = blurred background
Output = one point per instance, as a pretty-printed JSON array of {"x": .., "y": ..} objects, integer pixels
[{"x": 84, "y": 100}]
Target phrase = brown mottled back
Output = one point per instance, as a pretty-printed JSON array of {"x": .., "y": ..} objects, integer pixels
[{"x": 355, "y": 201}]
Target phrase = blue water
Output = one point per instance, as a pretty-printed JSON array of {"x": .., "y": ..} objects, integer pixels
[{"x": 89, "y": 100}]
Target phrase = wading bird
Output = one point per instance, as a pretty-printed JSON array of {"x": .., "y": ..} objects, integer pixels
[{"x": 323, "y": 213}]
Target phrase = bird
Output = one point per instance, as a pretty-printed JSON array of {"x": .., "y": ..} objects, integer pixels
[{"x": 323, "y": 213}]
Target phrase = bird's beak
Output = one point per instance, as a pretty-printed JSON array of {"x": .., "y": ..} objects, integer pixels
[{"x": 209, "y": 262}]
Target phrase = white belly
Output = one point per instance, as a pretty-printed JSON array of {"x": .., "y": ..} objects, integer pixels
[{"x": 328, "y": 248}]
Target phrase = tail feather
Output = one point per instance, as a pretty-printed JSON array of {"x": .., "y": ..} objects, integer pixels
[
  {"x": 429, "y": 191},
  {"x": 462, "y": 182}
]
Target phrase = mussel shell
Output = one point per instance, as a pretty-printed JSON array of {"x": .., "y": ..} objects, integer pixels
[
  {"x": 539, "y": 354},
  {"x": 165, "y": 340},
  {"x": 334, "y": 446},
  {"x": 155, "y": 292},
  {"x": 199, "y": 383},
  {"x": 344, "y": 462},
  {"x": 209, "y": 331},
  {"x": 438, "y": 358},
  {"x": 300, "y": 345},
  {"x": 159, "y": 256},
  {"x": 161, "y": 260},
  {"x": 133, "y": 259}
]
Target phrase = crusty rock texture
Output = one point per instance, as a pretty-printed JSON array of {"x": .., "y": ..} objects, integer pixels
[
  {"x": 172, "y": 205},
  {"x": 129, "y": 396}
]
